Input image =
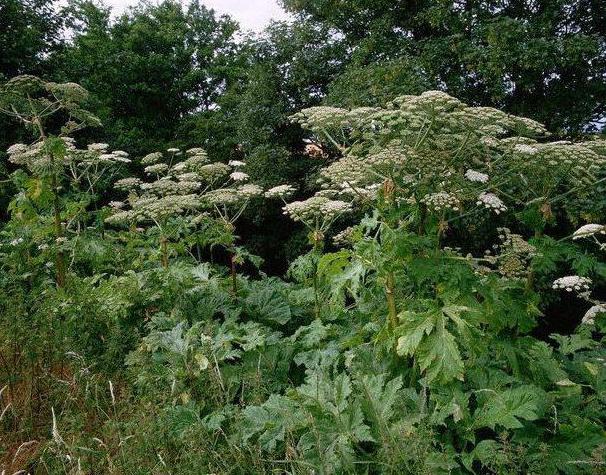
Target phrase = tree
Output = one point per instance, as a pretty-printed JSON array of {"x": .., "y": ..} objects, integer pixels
[
  {"x": 545, "y": 59},
  {"x": 29, "y": 30},
  {"x": 150, "y": 69}
]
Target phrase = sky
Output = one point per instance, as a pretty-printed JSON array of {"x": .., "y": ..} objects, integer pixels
[{"x": 251, "y": 14}]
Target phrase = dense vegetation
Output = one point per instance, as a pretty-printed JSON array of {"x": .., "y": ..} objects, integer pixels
[{"x": 371, "y": 241}]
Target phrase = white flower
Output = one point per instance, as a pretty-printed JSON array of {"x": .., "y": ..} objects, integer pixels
[
  {"x": 43, "y": 247},
  {"x": 473, "y": 175},
  {"x": 156, "y": 169},
  {"x": 525, "y": 149},
  {"x": 335, "y": 208},
  {"x": 589, "y": 230},
  {"x": 280, "y": 191},
  {"x": 589, "y": 317},
  {"x": 127, "y": 184},
  {"x": 250, "y": 191},
  {"x": 98, "y": 147},
  {"x": 120, "y": 153},
  {"x": 172, "y": 150},
  {"x": 441, "y": 200},
  {"x": 16, "y": 149},
  {"x": 106, "y": 158},
  {"x": 491, "y": 201},
  {"x": 316, "y": 207},
  {"x": 116, "y": 204},
  {"x": 151, "y": 158},
  {"x": 195, "y": 151},
  {"x": 118, "y": 158},
  {"x": 189, "y": 176},
  {"x": 236, "y": 163},
  {"x": 16, "y": 242},
  {"x": 572, "y": 282},
  {"x": 239, "y": 176},
  {"x": 211, "y": 171},
  {"x": 222, "y": 196},
  {"x": 344, "y": 237}
]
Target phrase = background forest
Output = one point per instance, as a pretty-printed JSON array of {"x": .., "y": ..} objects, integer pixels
[{"x": 371, "y": 240}]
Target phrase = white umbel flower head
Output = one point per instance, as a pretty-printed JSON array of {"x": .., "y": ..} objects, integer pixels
[
  {"x": 236, "y": 163},
  {"x": 156, "y": 168},
  {"x": 17, "y": 149},
  {"x": 492, "y": 202},
  {"x": 441, "y": 200},
  {"x": 525, "y": 149},
  {"x": 316, "y": 207},
  {"x": 127, "y": 184},
  {"x": 172, "y": 150},
  {"x": 475, "y": 176},
  {"x": 249, "y": 191},
  {"x": 195, "y": 151},
  {"x": 280, "y": 191},
  {"x": 239, "y": 176},
  {"x": 589, "y": 317},
  {"x": 572, "y": 282},
  {"x": 98, "y": 147},
  {"x": 588, "y": 230},
  {"x": 151, "y": 158}
]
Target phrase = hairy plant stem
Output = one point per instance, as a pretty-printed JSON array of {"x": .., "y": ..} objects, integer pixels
[
  {"x": 164, "y": 251},
  {"x": 530, "y": 278},
  {"x": 61, "y": 270},
  {"x": 234, "y": 276},
  {"x": 317, "y": 239},
  {"x": 392, "y": 312}
]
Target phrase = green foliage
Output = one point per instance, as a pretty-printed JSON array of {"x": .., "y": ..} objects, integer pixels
[
  {"x": 542, "y": 61},
  {"x": 417, "y": 342}
]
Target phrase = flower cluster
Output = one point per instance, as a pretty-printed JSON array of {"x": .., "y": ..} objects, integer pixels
[
  {"x": 95, "y": 157},
  {"x": 588, "y": 230},
  {"x": 475, "y": 176},
  {"x": 156, "y": 169},
  {"x": 492, "y": 202},
  {"x": 441, "y": 200},
  {"x": 152, "y": 158},
  {"x": 280, "y": 191},
  {"x": 344, "y": 237},
  {"x": 239, "y": 176},
  {"x": 594, "y": 311},
  {"x": 514, "y": 254},
  {"x": 128, "y": 184},
  {"x": 572, "y": 282},
  {"x": 155, "y": 209},
  {"x": 317, "y": 212},
  {"x": 174, "y": 190},
  {"x": 212, "y": 172}
]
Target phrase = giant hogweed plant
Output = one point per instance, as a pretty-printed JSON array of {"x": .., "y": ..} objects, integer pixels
[
  {"x": 436, "y": 163},
  {"x": 57, "y": 181},
  {"x": 187, "y": 189},
  {"x": 425, "y": 167},
  {"x": 421, "y": 357}
]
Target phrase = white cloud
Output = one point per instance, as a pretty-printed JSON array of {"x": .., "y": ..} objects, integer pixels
[{"x": 251, "y": 14}]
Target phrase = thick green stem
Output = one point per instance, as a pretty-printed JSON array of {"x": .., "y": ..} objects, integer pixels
[
  {"x": 234, "y": 276},
  {"x": 317, "y": 239},
  {"x": 164, "y": 251},
  {"x": 61, "y": 276},
  {"x": 61, "y": 269},
  {"x": 538, "y": 233},
  {"x": 390, "y": 284}
]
